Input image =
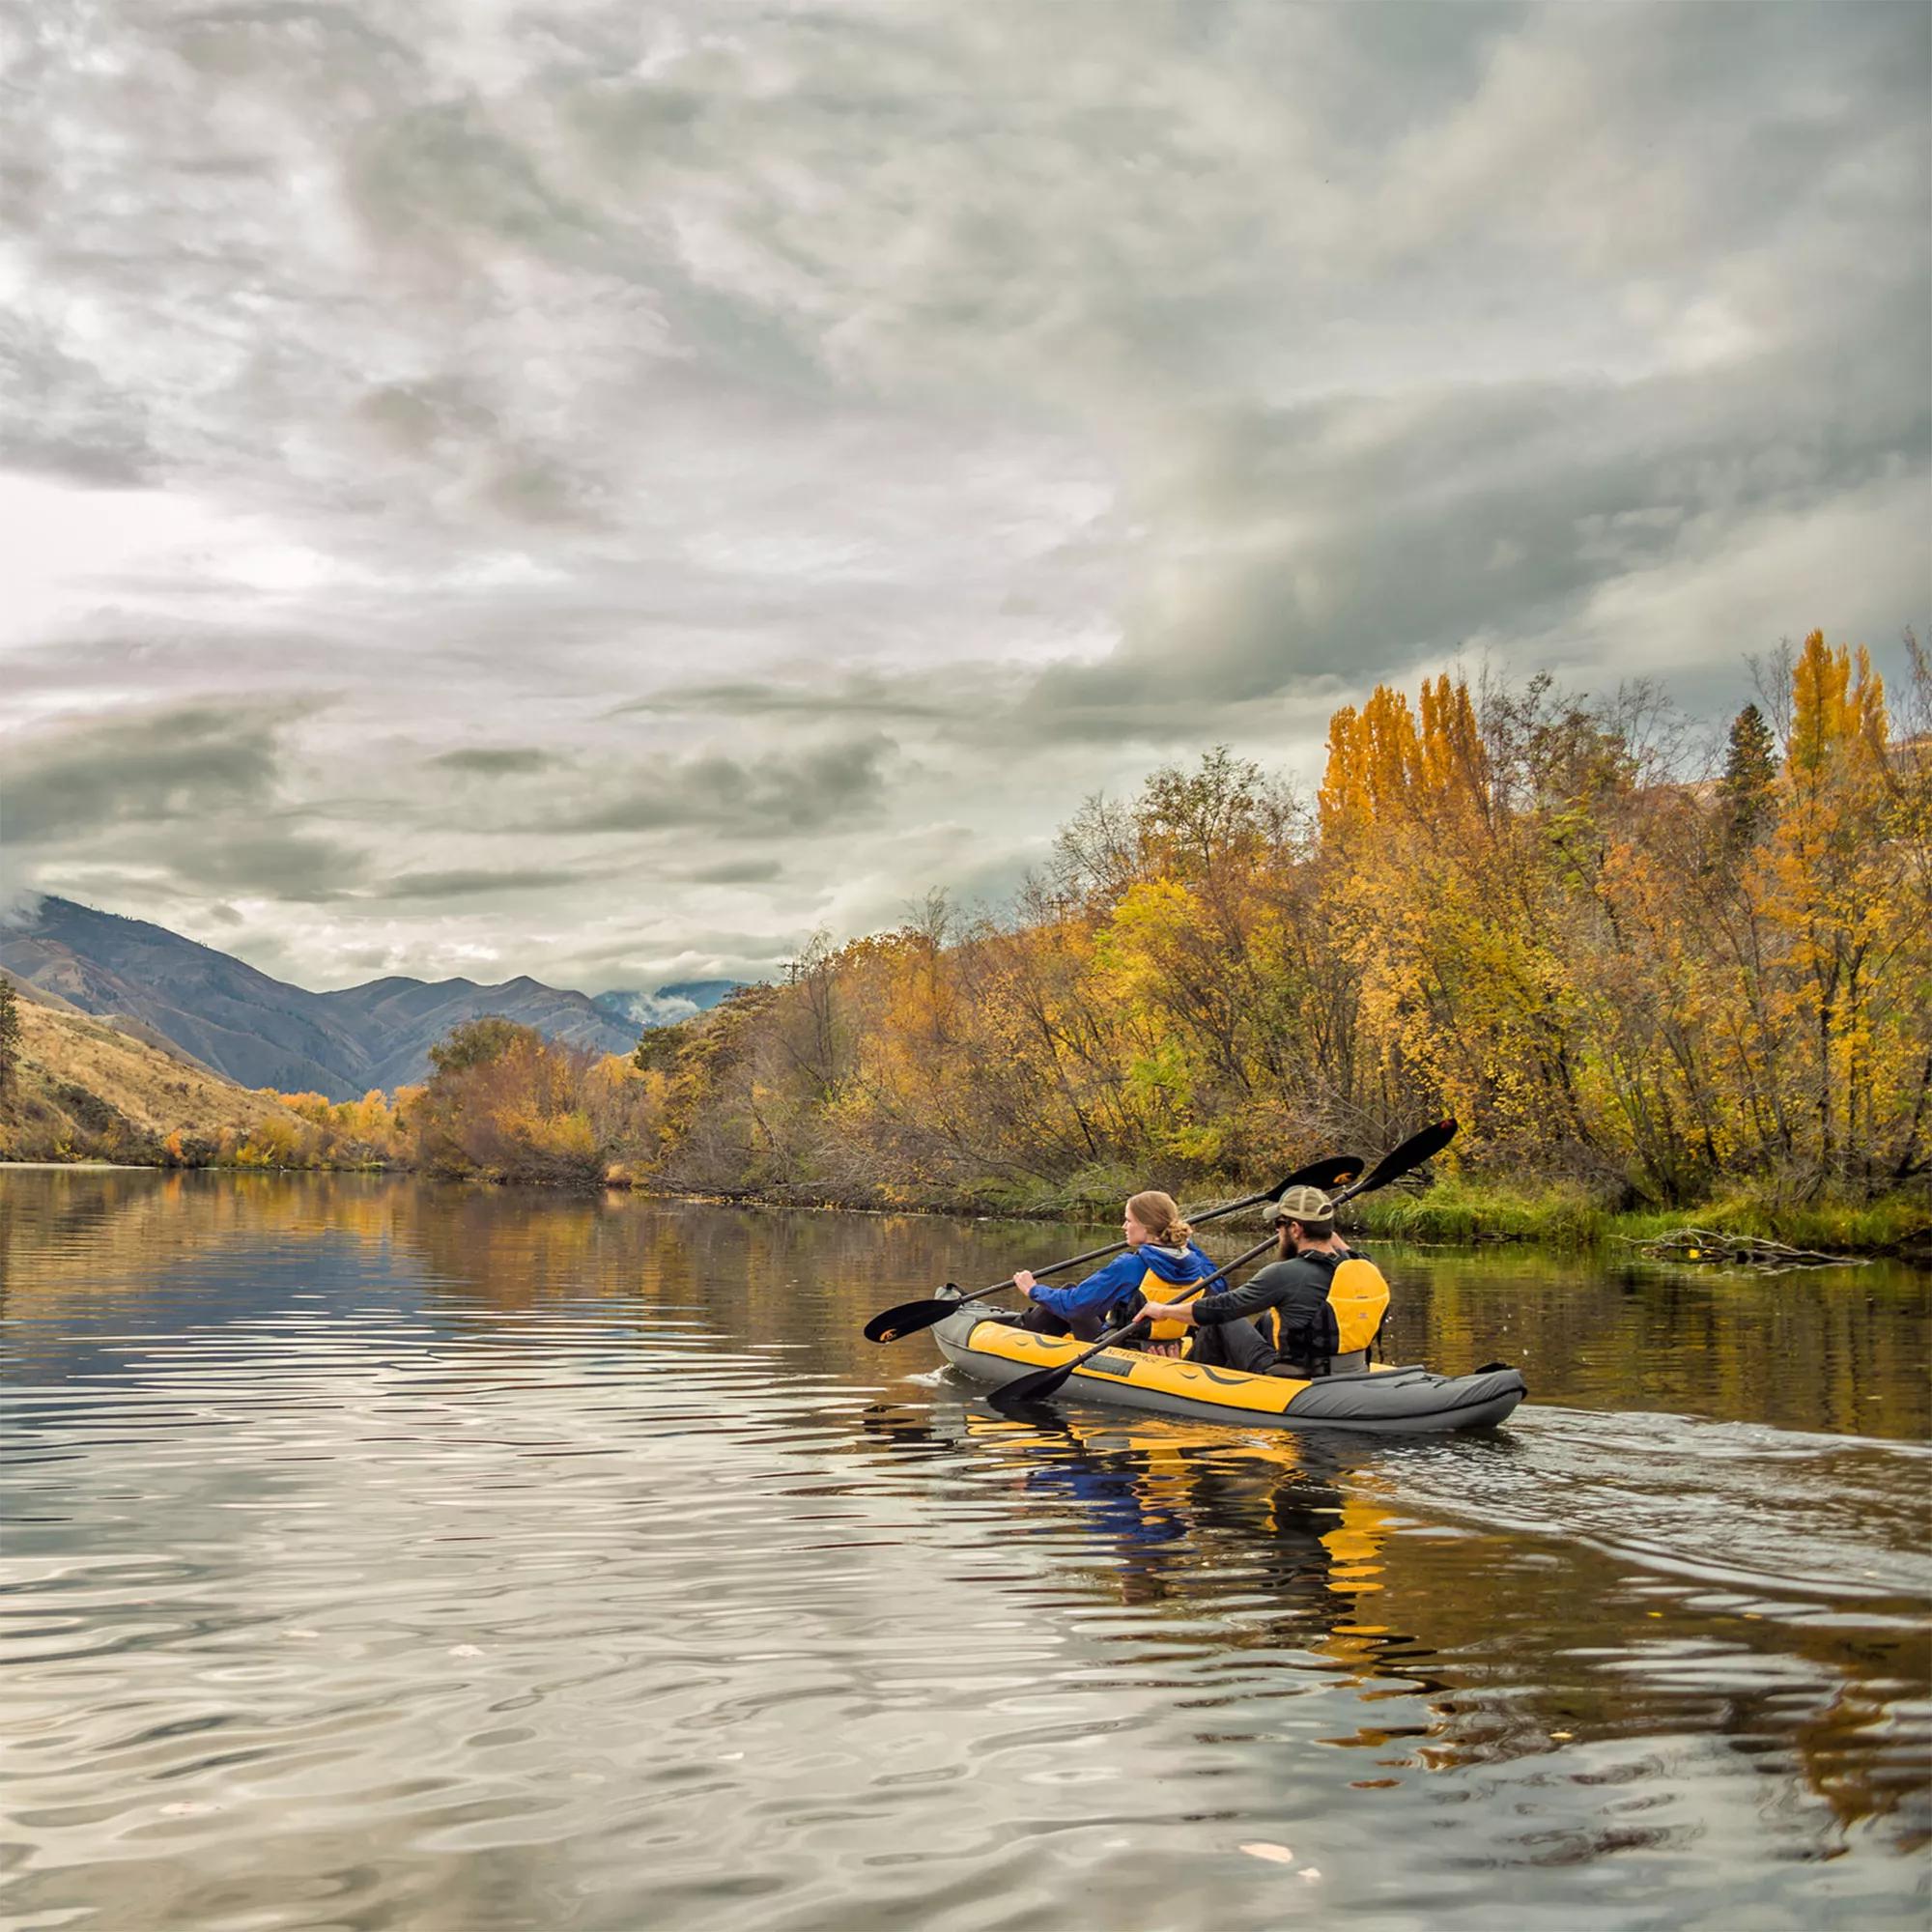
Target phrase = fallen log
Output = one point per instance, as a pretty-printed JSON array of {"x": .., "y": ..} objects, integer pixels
[{"x": 1711, "y": 1244}]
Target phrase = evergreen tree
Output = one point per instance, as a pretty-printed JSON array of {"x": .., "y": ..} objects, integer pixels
[{"x": 1750, "y": 772}]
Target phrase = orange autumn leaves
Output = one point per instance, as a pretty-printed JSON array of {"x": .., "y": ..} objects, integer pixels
[
  {"x": 1612, "y": 965},
  {"x": 1508, "y": 905},
  {"x": 1601, "y": 965}
]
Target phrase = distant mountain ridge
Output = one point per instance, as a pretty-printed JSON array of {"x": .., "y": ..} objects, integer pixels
[
  {"x": 261, "y": 1030},
  {"x": 669, "y": 1005}
]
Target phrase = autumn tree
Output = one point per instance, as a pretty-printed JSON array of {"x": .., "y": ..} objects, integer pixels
[
  {"x": 476, "y": 1043},
  {"x": 506, "y": 1103},
  {"x": 1511, "y": 902},
  {"x": 1834, "y": 884}
]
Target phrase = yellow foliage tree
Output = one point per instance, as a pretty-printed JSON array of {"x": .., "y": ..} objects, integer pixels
[{"x": 1508, "y": 904}]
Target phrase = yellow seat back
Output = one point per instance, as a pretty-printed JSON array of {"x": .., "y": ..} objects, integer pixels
[{"x": 1360, "y": 1298}]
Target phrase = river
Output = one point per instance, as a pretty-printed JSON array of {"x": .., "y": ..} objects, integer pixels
[{"x": 381, "y": 1554}]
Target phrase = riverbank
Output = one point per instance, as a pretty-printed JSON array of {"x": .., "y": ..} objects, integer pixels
[
  {"x": 1458, "y": 1212},
  {"x": 1471, "y": 1212},
  {"x": 1463, "y": 1211}
]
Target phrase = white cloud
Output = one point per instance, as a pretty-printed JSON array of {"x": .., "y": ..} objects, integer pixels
[
  {"x": 1744, "y": 587},
  {"x": 1056, "y": 389}
]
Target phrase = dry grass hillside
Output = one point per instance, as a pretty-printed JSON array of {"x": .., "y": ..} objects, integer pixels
[{"x": 86, "y": 1090}]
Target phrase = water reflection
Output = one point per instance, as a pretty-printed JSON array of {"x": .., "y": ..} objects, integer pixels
[
  {"x": 405, "y": 1555},
  {"x": 1260, "y": 1533},
  {"x": 1838, "y": 1350},
  {"x": 1298, "y": 1548}
]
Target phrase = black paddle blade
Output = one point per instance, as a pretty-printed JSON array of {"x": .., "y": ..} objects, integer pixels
[
  {"x": 909, "y": 1317},
  {"x": 1413, "y": 1152},
  {"x": 1337, "y": 1171},
  {"x": 1040, "y": 1415}
]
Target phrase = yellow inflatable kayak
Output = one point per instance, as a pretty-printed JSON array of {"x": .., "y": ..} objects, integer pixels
[{"x": 1379, "y": 1400}]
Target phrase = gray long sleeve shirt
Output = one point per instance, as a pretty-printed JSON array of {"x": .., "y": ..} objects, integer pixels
[{"x": 1302, "y": 1279}]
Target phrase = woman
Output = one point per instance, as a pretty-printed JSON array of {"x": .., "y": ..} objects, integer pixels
[{"x": 1162, "y": 1262}]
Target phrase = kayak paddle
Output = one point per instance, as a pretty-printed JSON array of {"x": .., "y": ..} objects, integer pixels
[
  {"x": 1393, "y": 1165},
  {"x": 910, "y": 1316}
]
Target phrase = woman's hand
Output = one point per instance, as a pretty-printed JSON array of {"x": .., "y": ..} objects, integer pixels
[{"x": 1024, "y": 1281}]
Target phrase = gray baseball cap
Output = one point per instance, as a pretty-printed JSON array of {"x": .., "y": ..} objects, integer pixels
[{"x": 1307, "y": 1205}]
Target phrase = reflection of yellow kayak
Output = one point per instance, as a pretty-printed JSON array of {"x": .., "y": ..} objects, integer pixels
[{"x": 1380, "y": 1400}]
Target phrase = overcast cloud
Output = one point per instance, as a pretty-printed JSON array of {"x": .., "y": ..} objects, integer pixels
[{"x": 602, "y": 492}]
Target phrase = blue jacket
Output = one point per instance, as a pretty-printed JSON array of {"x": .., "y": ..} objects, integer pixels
[{"x": 1121, "y": 1279}]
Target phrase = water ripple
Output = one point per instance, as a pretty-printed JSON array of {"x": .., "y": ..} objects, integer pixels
[{"x": 339, "y": 1590}]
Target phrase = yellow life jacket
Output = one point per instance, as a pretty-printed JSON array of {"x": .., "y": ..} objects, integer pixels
[
  {"x": 1156, "y": 1289},
  {"x": 1358, "y": 1299}
]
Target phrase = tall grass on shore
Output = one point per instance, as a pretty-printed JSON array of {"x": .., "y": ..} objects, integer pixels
[{"x": 1464, "y": 1210}]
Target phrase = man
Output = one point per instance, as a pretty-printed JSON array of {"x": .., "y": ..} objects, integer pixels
[{"x": 1296, "y": 1330}]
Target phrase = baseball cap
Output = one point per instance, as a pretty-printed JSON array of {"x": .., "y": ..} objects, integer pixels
[{"x": 1307, "y": 1205}]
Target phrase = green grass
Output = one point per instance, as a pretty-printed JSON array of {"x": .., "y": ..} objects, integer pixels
[
  {"x": 1465, "y": 1210},
  {"x": 1893, "y": 1222},
  {"x": 1469, "y": 1211},
  {"x": 1462, "y": 1211}
]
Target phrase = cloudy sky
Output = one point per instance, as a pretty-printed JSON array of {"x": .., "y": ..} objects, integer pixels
[{"x": 604, "y": 491}]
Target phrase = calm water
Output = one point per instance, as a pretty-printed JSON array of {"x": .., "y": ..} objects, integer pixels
[{"x": 384, "y": 1555}]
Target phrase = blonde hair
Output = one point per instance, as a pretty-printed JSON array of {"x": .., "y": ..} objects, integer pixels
[{"x": 1158, "y": 1215}]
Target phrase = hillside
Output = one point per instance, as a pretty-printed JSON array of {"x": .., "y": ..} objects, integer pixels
[
  {"x": 84, "y": 1089},
  {"x": 262, "y": 1031}
]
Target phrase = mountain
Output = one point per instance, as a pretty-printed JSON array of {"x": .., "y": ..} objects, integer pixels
[
  {"x": 255, "y": 1030},
  {"x": 260, "y": 1031},
  {"x": 401, "y": 1019},
  {"x": 669, "y": 1005}
]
